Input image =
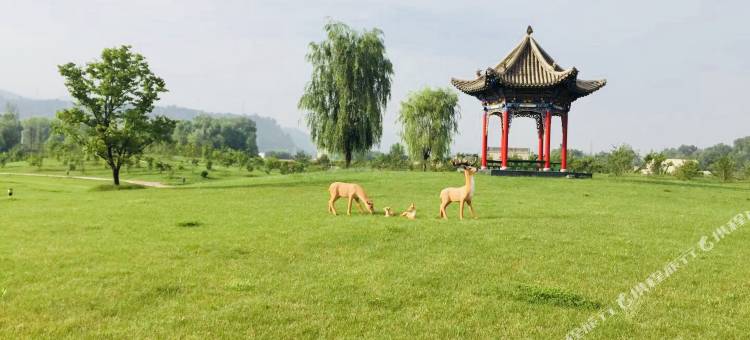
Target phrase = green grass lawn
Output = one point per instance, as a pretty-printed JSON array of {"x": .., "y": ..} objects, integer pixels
[{"x": 247, "y": 255}]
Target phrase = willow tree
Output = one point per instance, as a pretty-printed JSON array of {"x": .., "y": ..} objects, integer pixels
[
  {"x": 430, "y": 119},
  {"x": 349, "y": 90},
  {"x": 113, "y": 98}
]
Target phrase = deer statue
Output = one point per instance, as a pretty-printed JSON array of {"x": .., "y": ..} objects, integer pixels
[
  {"x": 410, "y": 213},
  {"x": 462, "y": 194},
  {"x": 353, "y": 192}
]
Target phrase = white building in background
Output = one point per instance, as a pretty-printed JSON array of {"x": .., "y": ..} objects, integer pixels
[
  {"x": 669, "y": 166},
  {"x": 513, "y": 153}
]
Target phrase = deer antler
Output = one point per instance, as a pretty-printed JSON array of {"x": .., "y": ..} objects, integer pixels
[
  {"x": 460, "y": 163},
  {"x": 465, "y": 161}
]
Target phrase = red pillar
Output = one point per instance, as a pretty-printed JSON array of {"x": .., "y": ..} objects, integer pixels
[
  {"x": 564, "y": 150},
  {"x": 484, "y": 140},
  {"x": 540, "y": 134},
  {"x": 504, "y": 146},
  {"x": 547, "y": 131}
]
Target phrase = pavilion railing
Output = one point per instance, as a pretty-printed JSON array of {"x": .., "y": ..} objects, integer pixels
[{"x": 523, "y": 164}]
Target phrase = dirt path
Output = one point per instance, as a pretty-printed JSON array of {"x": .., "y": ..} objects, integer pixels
[{"x": 129, "y": 181}]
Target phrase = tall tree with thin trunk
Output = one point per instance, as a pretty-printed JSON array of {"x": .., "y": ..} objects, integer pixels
[
  {"x": 430, "y": 119},
  {"x": 349, "y": 90},
  {"x": 113, "y": 98}
]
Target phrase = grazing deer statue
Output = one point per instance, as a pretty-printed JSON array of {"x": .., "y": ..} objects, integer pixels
[
  {"x": 462, "y": 194},
  {"x": 353, "y": 192}
]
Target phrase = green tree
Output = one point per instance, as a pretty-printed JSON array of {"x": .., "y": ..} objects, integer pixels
[
  {"x": 621, "y": 160},
  {"x": 234, "y": 132},
  {"x": 429, "y": 120},
  {"x": 35, "y": 133},
  {"x": 10, "y": 128},
  {"x": 741, "y": 149},
  {"x": 349, "y": 90},
  {"x": 688, "y": 170},
  {"x": 713, "y": 153},
  {"x": 724, "y": 168},
  {"x": 113, "y": 98},
  {"x": 397, "y": 157}
]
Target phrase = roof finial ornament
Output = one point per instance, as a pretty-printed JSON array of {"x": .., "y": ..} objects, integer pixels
[{"x": 529, "y": 30}]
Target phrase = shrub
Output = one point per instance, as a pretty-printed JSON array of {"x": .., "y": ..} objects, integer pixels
[
  {"x": 301, "y": 157},
  {"x": 150, "y": 162},
  {"x": 204, "y": 173},
  {"x": 588, "y": 164},
  {"x": 655, "y": 162},
  {"x": 284, "y": 168},
  {"x": 324, "y": 161},
  {"x": 621, "y": 160},
  {"x": 36, "y": 160},
  {"x": 299, "y": 167},
  {"x": 279, "y": 154},
  {"x": 161, "y": 166},
  {"x": 271, "y": 163},
  {"x": 209, "y": 165},
  {"x": 687, "y": 171}
]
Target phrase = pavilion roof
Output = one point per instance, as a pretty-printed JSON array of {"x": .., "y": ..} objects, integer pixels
[{"x": 528, "y": 66}]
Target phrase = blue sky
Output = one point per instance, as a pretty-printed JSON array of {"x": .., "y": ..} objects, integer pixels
[{"x": 677, "y": 71}]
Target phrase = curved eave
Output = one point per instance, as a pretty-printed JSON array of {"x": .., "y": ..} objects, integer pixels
[
  {"x": 470, "y": 87},
  {"x": 582, "y": 88}
]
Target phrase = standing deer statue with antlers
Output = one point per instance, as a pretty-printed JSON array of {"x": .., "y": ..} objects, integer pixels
[{"x": 462, "y": 194}]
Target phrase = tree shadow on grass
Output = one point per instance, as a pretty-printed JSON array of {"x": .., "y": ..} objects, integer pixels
[
  {"x": 546, "y": 296},
  {"x": 552, "y": 296}
]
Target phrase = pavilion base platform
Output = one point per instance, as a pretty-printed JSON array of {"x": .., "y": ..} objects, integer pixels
[{"x": 533, "y": 173}]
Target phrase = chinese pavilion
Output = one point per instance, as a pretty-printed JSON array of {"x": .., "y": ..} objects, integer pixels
[{"x": 528, "y": 83}]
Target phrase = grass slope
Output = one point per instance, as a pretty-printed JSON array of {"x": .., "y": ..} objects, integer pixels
[{"x": 240, "y": 257}]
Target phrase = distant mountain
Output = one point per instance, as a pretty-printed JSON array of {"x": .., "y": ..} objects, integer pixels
[
  {"x": 271, "y": 136},
  {"x": 301, "y": 140},
  {"x": 32, "y": 107}
]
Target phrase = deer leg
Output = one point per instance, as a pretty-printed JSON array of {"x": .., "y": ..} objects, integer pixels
[
  {"x": 349, "y": 206},
  {"x": 443, "y": 213},
  {"x": 461, "y": 210},
  {"x": 471, "y": 208},
  {"x": 332, "y": 205}
]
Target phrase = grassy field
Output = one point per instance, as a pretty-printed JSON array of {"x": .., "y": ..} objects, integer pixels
[{"x": 258, "y": 256}]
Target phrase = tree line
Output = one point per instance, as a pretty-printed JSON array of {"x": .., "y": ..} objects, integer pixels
[
  {"x": 206, "y": 137},
  {"x": 727, "y": 162}
]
